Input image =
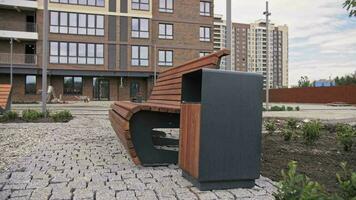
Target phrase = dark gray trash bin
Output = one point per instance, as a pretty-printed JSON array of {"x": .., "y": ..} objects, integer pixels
[{"x": 221, "y": 119}]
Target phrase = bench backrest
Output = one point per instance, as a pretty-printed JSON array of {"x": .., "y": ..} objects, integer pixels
[
  {"x": 169, "y": 82},
  {"x": 5, "y": 91}
]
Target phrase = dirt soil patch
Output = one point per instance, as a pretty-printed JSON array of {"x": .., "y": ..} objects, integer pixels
[{"x": 320, "y": 162}]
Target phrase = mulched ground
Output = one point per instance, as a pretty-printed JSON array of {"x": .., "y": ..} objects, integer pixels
[{"x": 320, "y": 162}]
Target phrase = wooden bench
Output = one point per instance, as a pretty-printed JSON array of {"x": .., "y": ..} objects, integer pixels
[
  {"x": 5, "y": 91},
  {"x": 134, "y": 123}
]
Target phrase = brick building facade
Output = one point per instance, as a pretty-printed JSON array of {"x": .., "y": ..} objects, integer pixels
[{"x": 103, "y": 49}]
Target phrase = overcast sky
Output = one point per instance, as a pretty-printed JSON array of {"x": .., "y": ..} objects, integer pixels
[{"x": 322, "y": 38}]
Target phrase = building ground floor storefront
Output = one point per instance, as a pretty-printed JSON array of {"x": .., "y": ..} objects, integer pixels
[{"x": 27, "y": 87}]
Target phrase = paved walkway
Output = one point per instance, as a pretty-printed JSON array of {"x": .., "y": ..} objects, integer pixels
[{"x": 84, "y": 160}]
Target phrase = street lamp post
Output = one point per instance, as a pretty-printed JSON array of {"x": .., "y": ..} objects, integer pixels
[
  {"x": 228, "y": 33},
  {"x": 11, "y": 67},
  {"x": 44, "y": 56},
  {"x": 267, "y": 13}
]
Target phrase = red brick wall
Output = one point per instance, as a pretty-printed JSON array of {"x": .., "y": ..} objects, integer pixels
[{"x": 346, "y": 94}]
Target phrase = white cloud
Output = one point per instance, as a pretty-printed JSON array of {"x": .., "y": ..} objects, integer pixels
[{"x": 322, "y": 37}]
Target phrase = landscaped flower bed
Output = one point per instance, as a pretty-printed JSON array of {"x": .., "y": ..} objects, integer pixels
[
  {"x": 33, "y": 116},
  {"x": 319, "y": 150}
]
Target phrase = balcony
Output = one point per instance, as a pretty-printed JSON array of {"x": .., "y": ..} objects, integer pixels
[
  {"x": 19, "y": 4},
  {"x": 18, "y": 59},
  {"x": 19, "y": 30}
]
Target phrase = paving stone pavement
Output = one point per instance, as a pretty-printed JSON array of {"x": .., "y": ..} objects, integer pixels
[{"x": 84, "y": 160}]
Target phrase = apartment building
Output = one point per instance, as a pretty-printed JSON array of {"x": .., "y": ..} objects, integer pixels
[
  {"x": 103, "y": 49},
  {"x": 249, "y": 49}
]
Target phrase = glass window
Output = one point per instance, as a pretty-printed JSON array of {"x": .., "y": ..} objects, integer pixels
[
  {"x": 73, "y": 54},
  {"x": 205, "y": 8},
  {"x": 100, "y": 3},
  {"x": 54, "y": 22},
  {"x": 91, "y": 2},
  {"x": 203, "y": 53},
  {"x": 99, "y": 54},
  {"x": 82, "y": 48},
  {"x": 63, "y": 22},
  {"x": 82, "y": 24},
  {"x": 139, "y": 56},
  {"x": 91, "y": 54},
  {"x": 63, "y": 52},
  {"x": 64, "y": 1},
  {"x": 100, "y": 25},
  {"x": 73, "y": 85},
  {"x": 165, "y": 58},
  {"x": 165, "y": 31},
  {"x": 205, "y": 34},
  {"x": 166, "y": 6},
  {"x": 30, "y": 84},
  {"x": 83, "y": 2},
  {"x": 53, "y": 52},
  {"x": 73, "y": 23},
  {"x": 140, "y": 28},
  {"x": 91, "y": 24},
  {"x": 140, "y": 5},
  {"x": 73, "y": 1}
]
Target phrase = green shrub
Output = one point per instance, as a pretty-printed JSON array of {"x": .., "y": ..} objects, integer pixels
[
  {"x": 287, "y": 134},
  {"x": 347, "y": 182},
  {"x": 62, "y": 116},
  {"x": 345, "y": 136},
  {"x": 296, "y": 186},
  {"x": 290, "y": 108},
  {"x": 271, "y": 126},
  {"x": 311, "y": 131},
  {"x": 3, "y": 118},
  {"x": 31, "y": 115},
  {"x": 297, "y": 108},
  {"x": 292, "y": 124},
  {"x": 278, "y": 108},
  {"x": 11, "y": 115}
]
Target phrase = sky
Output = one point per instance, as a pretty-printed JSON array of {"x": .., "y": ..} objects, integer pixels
[{"x": 322, "y": 37}]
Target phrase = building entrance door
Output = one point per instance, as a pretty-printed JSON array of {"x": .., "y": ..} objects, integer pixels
[
  {"x": 30, "y": 52},
  {"x": 101, "y": 89}
]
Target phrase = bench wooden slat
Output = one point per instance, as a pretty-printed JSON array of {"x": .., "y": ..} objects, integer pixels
[
  {"x": 171, "y": 92},
  {"x": 121, "y": 121},
  {"x": 167, "y": 87},
  {"x": 166, "y": 97},
  {"x": 169, "y": 82},
  {"x": 127, "y": 114}
]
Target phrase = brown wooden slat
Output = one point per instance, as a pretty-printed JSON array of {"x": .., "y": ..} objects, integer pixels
[
  {"x": 168, "y": 87},
  {"x": 127, "y": 114},
  {"x": 122, "y": 122},
  {"x": 160, "y": 92},
  {"x": 166, "y": 97},
  {"x": 170, "y": 82},
  {"x": 174, "y": 103},
  {"x": 190, "y": 139},
  {"x": 128, "y": 106}
]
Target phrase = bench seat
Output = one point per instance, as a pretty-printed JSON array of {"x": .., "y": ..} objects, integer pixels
[
  {"x": 5, "y": 91},
  {"x": 134, "y": 122}
]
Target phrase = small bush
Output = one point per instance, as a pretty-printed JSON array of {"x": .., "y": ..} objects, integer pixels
[
  {"x": 311, "y": 131},
  {"x": 296, "y": 186},
  {"x": 271, "y": 126},
  {"x": 62, "y": 116},
  {"x": 292, "y": 124},
  {"x": 31, "y": 115},
  {"x": 345, "y": 136},
  {"x": 3, "y": 118},
  {"x": 278, "y": 108},
  {"x": 290, "y": 108},
  {"x": 347, "y": 182},
  {"x": 11, "y": 115},
  {"x": 287, "y": 134},
  {"x": 297, "y": 108}
]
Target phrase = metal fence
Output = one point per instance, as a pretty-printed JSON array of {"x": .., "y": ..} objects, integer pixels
[{"x": 18, "y": 26}]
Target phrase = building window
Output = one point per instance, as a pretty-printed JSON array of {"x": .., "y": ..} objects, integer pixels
[
  {"x": 205, "y": 8},
  {"x": 165, "y": 31},
  {"x": 205, "y": 34},
  {"x": 99, "y": 3},
  {"x": 140, "y": 5},
  {"x": 165, "y": 58},
  {"x": 139, "y": 56},
  {"x": 139, "y": 28},
  {"x": 74, "y": 23},
  {"x": 76, "y": 53},
  {"x": 203, "y": 53},
  {"x": 73, "y": 85},
  {"x": 30, "y": 84},
  {"x": 166, "y": 6}
]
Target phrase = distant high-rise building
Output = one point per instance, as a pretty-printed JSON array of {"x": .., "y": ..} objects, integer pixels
[{"x": 249, "y": 49}]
